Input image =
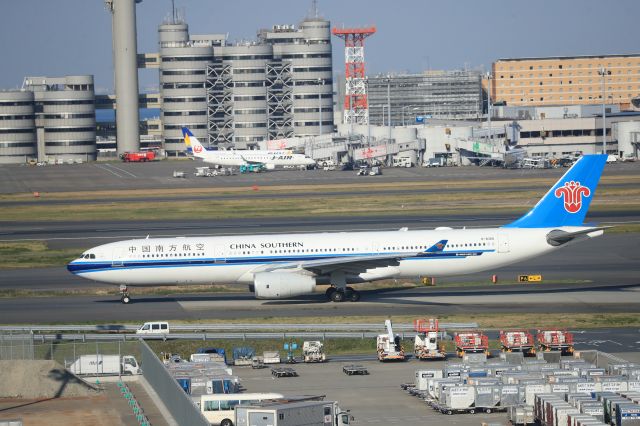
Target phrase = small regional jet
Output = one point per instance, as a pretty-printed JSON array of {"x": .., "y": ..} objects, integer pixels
[
  {"x": 250, "y": 160},
  {"x": 289, "y": 265}
]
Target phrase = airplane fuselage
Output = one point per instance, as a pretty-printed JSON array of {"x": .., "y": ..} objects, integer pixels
[
  {"x": 206, "y": 260},
  {"x": 236, "y": 158}
]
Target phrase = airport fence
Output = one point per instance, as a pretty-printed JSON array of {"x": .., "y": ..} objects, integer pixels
[
  {"x": 19, "y": 346},
  {"x": 182, "y": 408}
]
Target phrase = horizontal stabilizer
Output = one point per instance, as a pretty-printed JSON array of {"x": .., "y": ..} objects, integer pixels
[{"x": 558, "y": 237}]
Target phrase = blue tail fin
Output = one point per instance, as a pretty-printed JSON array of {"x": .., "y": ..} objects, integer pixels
[{"x": 567, "y": 202}]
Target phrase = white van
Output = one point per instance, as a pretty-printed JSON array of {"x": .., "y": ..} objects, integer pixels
[{"x": 156, "y": 327}]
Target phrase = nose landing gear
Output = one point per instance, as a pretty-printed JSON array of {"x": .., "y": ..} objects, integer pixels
[{"x": 124, "y": 294}]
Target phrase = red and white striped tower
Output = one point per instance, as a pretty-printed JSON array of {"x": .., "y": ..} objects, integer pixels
[{"x": 355, "y": 99}]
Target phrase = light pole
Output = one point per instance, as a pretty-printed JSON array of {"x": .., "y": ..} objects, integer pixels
[
  {"x": 604, "y": 73},
  {"x": 321, "y": 84},
  {"x": 389, "y": 104},
  {"x": 489, "y": 105},
  {"x": 366, "y": 85}
]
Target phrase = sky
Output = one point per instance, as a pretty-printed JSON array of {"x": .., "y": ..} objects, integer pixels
[{"x": 67, "y": 37}]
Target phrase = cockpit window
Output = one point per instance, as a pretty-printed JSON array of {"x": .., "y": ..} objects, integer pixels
[{"x": 92, "y": 256}]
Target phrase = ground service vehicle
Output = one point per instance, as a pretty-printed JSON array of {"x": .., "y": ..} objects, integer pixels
[
  {"x": 389, "y": 346},
  {"x": 157, "y": 327},
  {"x": 313, "y": 351},
  {"x": 517, "y": 341},
  {"x": 138, "y": 157},
  {"x": 219, "y": 409},
  {"x": 555, "y": 340},
  {"x": 426, "y": 344},
  {"x": 321, "y": 413},
  {"x": 104, "y": 364},
  {"x": 471, "y": 342}
]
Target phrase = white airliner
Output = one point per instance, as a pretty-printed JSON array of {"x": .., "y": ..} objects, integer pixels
[
  {"x": 289, "y": 265},
  {"x": 267, "y": 159}
]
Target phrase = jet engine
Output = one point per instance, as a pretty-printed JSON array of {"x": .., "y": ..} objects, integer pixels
[{"x": 280, "y": 285}]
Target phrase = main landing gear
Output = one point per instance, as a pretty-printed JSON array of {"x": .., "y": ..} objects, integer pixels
[
  {"x": 124, "y": 294},
  {"x": 339, "y": 295}
]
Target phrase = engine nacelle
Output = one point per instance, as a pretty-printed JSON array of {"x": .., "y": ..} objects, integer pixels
[{"x": 280, "y": 285}]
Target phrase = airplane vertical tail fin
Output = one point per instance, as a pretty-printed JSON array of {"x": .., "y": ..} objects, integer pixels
[
  {"x": 567, "y": 201},
  {"x": 193, "y": 144}
]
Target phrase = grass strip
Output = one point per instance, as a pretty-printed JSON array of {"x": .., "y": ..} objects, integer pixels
[{"x": 388, "y": 204}]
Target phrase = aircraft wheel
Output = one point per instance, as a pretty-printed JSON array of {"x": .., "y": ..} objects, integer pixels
[
  {"x": 125, "y": 299},
  {"x": 352, "y": 294},
  {"x": 337, "y": 296},
  {"x": 330, "y": 292}
]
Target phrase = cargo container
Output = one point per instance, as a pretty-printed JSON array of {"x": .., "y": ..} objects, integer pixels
[
  {"x": 104, "y": 365},
  {"x": 627, "y": 415},
  {"x": 271, "y": 357},
  {"x": 458, "y": 399},
  {"x": 521, "y": 415},
  {"x": 422, "y": 378}
]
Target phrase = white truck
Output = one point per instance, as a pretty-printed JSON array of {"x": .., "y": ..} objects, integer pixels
[
  {"x": 388, "y": 346},
  {"x": 321, "y": 413},
  {"x": 104, "y": 365},
  {"x": 313, "y": 351},
  {"x": 426, "y": 344}
]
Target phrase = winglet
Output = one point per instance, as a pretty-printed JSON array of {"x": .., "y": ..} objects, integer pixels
[
  {"x": 567, "y": 202},
  {"x": 437, "y": 247}
]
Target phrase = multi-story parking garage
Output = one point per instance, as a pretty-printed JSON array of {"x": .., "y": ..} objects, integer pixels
[
  {"x": 238, "y": 94},
  {"x": 51, "y": 119},
  {"x": 17, "y": 126}
]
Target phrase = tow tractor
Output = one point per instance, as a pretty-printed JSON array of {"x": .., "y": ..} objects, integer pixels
[
  {"x": 389, "y": 346},
  {"x": 426, "y": 345}
]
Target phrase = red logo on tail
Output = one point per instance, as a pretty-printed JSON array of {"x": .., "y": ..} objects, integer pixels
[
  {"x": 572, "y": 193},
  {"x": 197, "y": 149}
]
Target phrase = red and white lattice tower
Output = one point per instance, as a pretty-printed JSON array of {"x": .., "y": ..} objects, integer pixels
[{"x": 355, "y": 99}]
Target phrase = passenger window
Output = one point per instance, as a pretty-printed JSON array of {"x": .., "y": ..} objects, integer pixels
[
  {"x": 163, "y": 326},
  {"x": 211, "y": 406},
  {"x": 155, "y": 327}
]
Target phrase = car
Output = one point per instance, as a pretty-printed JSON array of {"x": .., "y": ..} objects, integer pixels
[{"x": 612, "y": 158}]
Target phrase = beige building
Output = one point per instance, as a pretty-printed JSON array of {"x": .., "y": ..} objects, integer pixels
[{"x": 566, "y": 80}]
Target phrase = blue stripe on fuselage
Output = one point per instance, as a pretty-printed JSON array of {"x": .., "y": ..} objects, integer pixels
[{"x": 86, "y": 267}]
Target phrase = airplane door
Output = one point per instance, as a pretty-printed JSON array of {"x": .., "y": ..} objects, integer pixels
[
  {"x": 503, "y": 242},
  {"x": 119, "y": 254}
]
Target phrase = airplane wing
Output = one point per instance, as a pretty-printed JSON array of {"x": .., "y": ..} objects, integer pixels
[
  {"x": 251, "y": 161},
  {"x": 355, "y": 264}
]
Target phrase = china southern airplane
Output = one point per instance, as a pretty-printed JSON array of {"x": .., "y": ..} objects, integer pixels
[
  {"x": 238, "y": 158},
  {"x": 289, "y": 265}
]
